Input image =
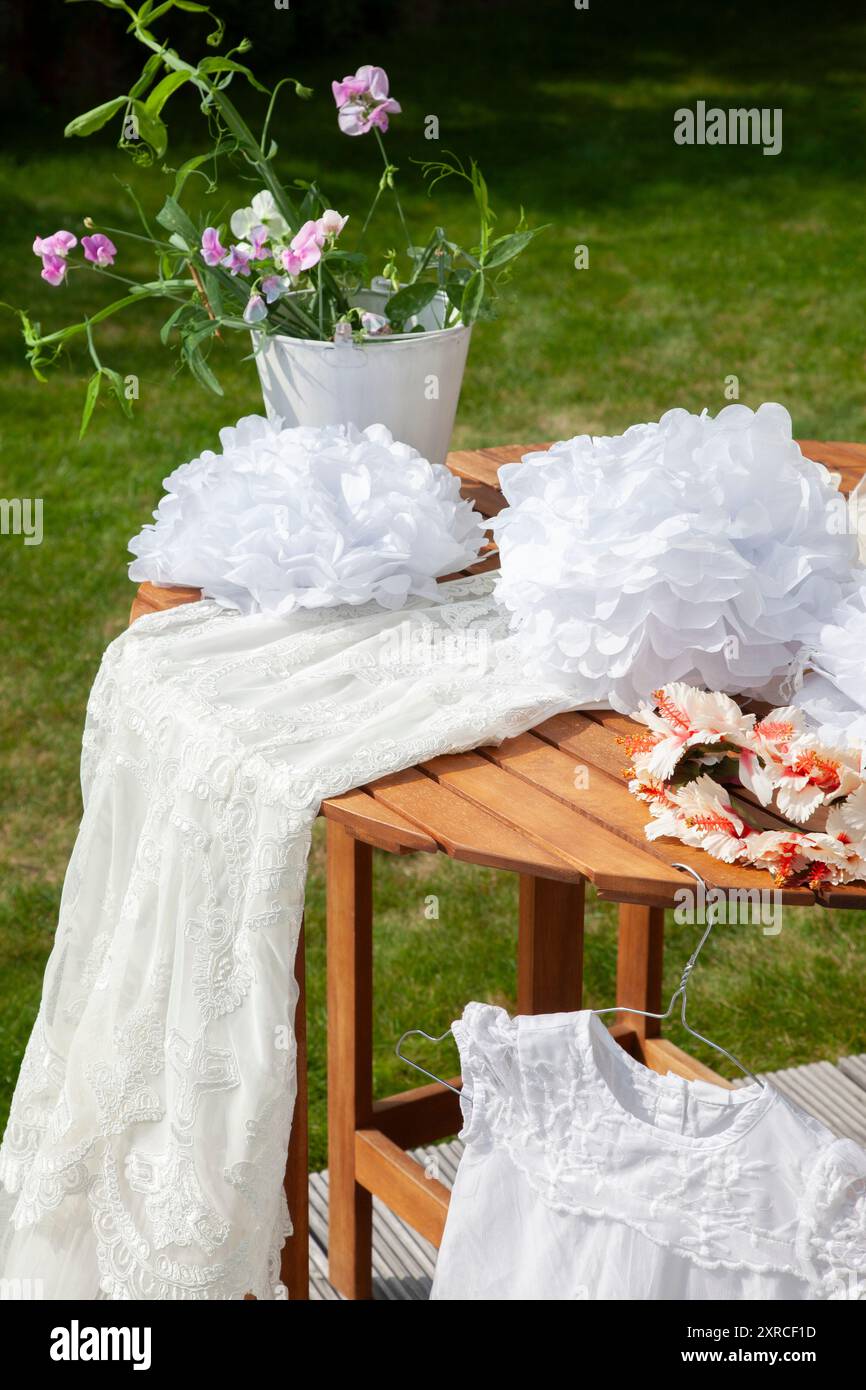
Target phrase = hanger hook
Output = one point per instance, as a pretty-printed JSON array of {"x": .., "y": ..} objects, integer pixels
[
  {"x": 419, "y": 1033},
  {"x": 682, "y": 990},
  {"x": 693, "y": 958}
]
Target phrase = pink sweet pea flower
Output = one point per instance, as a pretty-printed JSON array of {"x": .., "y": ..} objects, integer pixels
[
  {"x": 211, "y": 250},
  {"x": 256, "y": 309},
  {"x": 363, "y": 101},
  {"x": 376, "y": 80},
  {"x": 237, "y": 262},
  {"x": 53, "y": 269},
  {"x": 357, "y": 118},
  {"x": 60, "y": 244},
  {"x": 274, "y": 286},
  {"x": 331, "y": 223},
  {"x": 99, "y": 249},
  {"x": 304, "y": 250},
  {"x": 347, "y": 89},
  {"x": 258, "y": 238},
  {"x": 368, "y": 81},
  {"x": 374, "y": 324}
]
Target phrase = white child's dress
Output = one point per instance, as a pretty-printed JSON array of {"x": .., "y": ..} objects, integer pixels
[{"x": 588, "y": 1176}]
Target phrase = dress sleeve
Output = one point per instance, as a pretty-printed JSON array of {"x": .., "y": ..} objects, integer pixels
[
  {"x": 486, "y": 1038},
  {"x": 832, "y": 1238}
]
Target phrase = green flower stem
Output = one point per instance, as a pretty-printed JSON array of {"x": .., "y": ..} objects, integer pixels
[
  {"x": 387, "y": 163},
  {"x": 71, "y": 329},
  {"x": 61, "y": 334},
  {"x": 373, "y": 207},
  {"x": 248, "y": 146},
  {"x": 136, "y": 236}
]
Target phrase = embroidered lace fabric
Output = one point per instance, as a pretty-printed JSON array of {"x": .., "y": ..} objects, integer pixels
[
  {"x": 587, "y": 1176},
  {"x": 145, "y": 1149}
]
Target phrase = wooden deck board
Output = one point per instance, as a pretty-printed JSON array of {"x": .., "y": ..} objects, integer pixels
[{"x": 403, "y": 1262}]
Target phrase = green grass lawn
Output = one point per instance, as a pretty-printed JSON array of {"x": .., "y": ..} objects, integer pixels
[{"x": 703, "y": 264}]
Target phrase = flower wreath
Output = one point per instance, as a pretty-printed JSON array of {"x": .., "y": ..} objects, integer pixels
[{"x": 776, "y": 759}]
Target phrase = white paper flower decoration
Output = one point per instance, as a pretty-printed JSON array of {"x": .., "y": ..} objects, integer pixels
[
  {"x": 696, "y": 548},
  {"x": 834, "y": 691},
  {"x": 308, "y": 518}
]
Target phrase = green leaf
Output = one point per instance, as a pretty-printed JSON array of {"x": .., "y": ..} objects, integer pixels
[
  {"x": 479, "y": 188},
  {"x": 454, "y": 290},
  {"x": 410, "y": 300},
  {"x": 93, "y": 120},
  {"x": 152, "y": 134},
  {"x": 347, "y": 257},
  {"x": 163, "y": 90},
  {"x": 118, "y": 389},
  {"x": 148, "y": 72},
  {"x": 166, "y": 330},
  {"x": 212, "y": 290},
  {"x": 190, "y": 167},
  {"x": 200, "y": 369},
  {"x": 89, "y": 402},
  {"x": 162, "y": 287},
  {"x": 472, "y": 297},
  {"x": 174, "y": 219},
  {"x": 160, "y": 10},
  {"x": 200, "y": 335},
  {"x": 505, "y": 248},
  {"x": 218, "y": 65}
]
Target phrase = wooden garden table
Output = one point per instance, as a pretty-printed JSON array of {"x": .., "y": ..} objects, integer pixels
[{"x": 550, "y": 805}]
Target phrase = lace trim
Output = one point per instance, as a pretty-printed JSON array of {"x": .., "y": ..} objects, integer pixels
[{"x": 831, "y": 1241}]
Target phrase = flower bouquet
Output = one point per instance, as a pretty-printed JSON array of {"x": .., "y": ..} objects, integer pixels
[
  {"x": 286, "y": 265},
  {"x": 775, "y": 760}
]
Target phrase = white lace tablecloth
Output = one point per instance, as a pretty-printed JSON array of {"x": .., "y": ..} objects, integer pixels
[{"x": 146, "y": 1145}]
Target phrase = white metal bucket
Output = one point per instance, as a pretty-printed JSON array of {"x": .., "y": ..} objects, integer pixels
[{"x": 407, "y": 381}]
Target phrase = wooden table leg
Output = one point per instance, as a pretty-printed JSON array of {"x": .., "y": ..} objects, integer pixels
[
  {"x": 295, "y": 1260},
  {"x": 639, "y": 966},
  {"x": 550, "y": 946},
  {"x": 350, "y": 1057}
]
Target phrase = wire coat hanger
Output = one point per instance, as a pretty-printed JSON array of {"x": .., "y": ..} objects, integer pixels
[
  {"x": 681, "y": 992},
  {"x": 419, "y": 1033}
]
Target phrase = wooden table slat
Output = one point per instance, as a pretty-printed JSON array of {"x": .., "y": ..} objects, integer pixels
[
  {"x": 602, "y": 856},
  {"x": 846, "y": 895},
  {"x": 839, "y": 457},
  {"x": 464, "y": 831},
  {"x": 486, "y": 499},
  {"x": 378, "y": 823},
  {"x": 609, "y": 802},
  {"x": 587, "y": 740}
]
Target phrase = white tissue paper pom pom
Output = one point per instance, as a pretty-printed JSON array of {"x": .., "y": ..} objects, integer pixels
[
  {"x": 308, "y": 518},
  {"x": 698, "y": 549},
  {"x": 833, "y": 694}
]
